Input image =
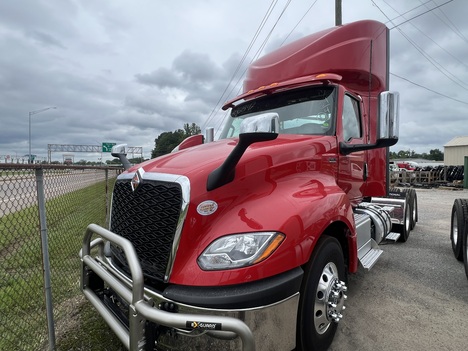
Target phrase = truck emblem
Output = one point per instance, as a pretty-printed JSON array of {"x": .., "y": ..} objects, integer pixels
[
  {"x": 137, "y": 178},
  {"x": 207, "y": 208}
]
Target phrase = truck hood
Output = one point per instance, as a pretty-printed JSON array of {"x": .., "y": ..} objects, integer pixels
[
  {"x": 274, "y": 186},
  {"x": 196, "y": 163}
]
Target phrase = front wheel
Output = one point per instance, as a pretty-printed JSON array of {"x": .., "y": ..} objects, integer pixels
[{"x": 323, "y": 294}]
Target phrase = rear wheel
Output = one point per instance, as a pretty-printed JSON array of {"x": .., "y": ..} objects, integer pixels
[
  {"x": 405, "y": 228},
  {"x": 414, "y": 207},
  {"x": 323, "y": 294},
  {"x": 410, "y": 215},
  {"x": 458, "y": 227}
]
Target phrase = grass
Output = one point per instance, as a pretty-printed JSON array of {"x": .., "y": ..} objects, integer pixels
[{"x": 23, "y": 323}]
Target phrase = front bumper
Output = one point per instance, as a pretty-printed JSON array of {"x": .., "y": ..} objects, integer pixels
[{"x": 183, "y": 319}]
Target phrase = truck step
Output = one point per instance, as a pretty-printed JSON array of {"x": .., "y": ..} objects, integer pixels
[
  {"x": 393, "y": 236},
  {"x": 370, "y": 258}
]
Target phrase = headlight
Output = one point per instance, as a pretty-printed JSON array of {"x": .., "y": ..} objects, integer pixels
[{"x": 239, "y": 250}]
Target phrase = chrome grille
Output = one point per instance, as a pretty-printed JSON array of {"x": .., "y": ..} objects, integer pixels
[{"x": 147, "y": 217}]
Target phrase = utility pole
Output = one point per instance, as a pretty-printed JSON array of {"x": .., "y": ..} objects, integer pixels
[{"x": 338, "y": 21}]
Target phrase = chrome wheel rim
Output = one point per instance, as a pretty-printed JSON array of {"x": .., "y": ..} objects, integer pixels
[{"x": 329, "y": 299}]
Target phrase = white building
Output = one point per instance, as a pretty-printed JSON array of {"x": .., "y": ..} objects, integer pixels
[{"x": 455, "y": 151}]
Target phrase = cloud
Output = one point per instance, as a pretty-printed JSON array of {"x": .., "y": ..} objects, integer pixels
[
  {"x": 184, "y": 93},
  {"x": 162, "y": 78},
  {"x": 124, "y": 73},
  {"x": 190, "y": 71},
  {"x": 196, "y": 68},
  {"x": 46, "y": 39}
]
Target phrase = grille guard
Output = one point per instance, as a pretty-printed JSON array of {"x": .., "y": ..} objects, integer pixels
[{"x": 140, "y": 309}]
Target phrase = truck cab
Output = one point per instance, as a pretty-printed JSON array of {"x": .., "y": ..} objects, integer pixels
[{"x": 246, "y": 242}]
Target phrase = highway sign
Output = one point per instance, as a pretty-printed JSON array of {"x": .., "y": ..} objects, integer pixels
[{"x": 107, "y": 147}]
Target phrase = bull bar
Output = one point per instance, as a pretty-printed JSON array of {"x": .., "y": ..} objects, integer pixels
[{"x": 140, "y": 310}]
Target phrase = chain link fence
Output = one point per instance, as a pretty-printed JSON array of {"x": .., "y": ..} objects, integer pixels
[{"x": 44, "y": 212}]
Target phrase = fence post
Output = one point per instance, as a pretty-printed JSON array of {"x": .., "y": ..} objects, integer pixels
[{"x": 45, "y": 256}]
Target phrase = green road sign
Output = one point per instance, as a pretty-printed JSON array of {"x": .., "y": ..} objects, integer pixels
[{"x": 107, "y": 147}]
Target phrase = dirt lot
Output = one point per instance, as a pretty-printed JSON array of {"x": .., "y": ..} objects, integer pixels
[{"x": 416, "y": 296}]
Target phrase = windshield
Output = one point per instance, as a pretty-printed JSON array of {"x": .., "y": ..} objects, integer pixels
[{"x": 301, "y": 111}]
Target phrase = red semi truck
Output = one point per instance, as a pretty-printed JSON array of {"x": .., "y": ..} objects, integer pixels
[{"x": 245, "y": 243}]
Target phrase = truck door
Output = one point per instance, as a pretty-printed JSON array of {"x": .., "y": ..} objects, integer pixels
[{"x": 352, "y": 168}]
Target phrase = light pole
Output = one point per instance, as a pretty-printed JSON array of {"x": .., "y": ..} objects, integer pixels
[{"x": 30, "y": 114}]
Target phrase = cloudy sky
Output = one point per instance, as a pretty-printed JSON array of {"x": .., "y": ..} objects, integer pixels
[{"x": 125, "y": 71}]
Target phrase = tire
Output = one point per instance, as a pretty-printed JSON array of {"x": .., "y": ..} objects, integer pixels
[
  {"x": 410, "y": 217},
  {"x": 405, "y": 228},
  {"x": 458, "y": 226},
  {"x": 414, "y": 207},
  {"x": 322, "y": 296}
]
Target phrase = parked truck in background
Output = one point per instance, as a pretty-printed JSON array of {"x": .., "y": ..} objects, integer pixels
[
  {"x": 246, "y": 242},
  {"x": 407, "y": 165},
  {"x": 459, "y": 231}
]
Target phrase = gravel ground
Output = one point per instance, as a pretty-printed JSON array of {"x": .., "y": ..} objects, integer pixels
[{"x": 416, "y": 296}]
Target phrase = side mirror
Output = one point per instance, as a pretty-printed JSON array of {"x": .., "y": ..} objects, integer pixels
[
  {"x": 388, "y": 122},
  {"x": 120, "y": 152},
  {"x": 263, "y": 123},
  {"x": 389, "y": 114},
  {"x": 209, "y": 135},
  {"x": 119, "y": 149}
]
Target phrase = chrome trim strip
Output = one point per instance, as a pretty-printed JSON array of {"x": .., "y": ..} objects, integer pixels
[{"x": 184, "y": 183}]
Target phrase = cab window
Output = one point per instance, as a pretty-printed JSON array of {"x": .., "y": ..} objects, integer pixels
[
  {"x": 305, "y": 111},
  {"x": 351, "y": 119}
]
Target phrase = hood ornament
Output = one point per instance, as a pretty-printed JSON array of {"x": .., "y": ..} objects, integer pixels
[{"x": 137, "y": 179}]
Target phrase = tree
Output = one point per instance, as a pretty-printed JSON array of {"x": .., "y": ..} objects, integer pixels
[
  {"x": 403, "y": 154},
  {"x": 167, "y": 141},
  {"x": 433, "y": 155},
  {"x": 192, "y": 129},
  {"x": 136, "y": 160},
  {"x": 436, "y": 155},
  {"x": 114, "y": 161}
]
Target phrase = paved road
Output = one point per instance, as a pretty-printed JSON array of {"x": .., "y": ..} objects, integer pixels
[
  {"x": 416, "y": 296},
  {"x": 18, "y": 191}
]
